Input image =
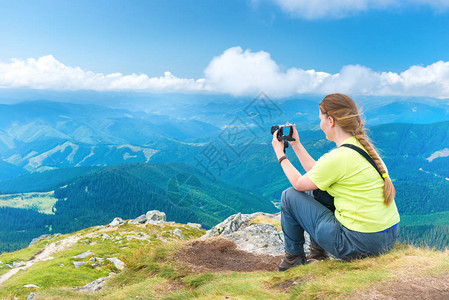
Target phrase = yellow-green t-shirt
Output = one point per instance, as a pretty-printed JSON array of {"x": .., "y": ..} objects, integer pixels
[{"x": 357, "y": 188}]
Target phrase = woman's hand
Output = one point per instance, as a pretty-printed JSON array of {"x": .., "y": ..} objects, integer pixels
[
  {"x": 295, "y": 136},
  {"x": 278, "y": 146}
]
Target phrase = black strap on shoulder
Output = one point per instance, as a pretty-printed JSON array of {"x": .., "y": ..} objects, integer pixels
[{"x": 365, "y": 155}]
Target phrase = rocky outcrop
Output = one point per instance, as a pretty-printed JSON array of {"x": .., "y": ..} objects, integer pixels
[
  {"x": 155, "y": 217},
  {"x": 93, "y": 286},
  {"x": 116, "y": 222},
  {"x": 259, "y": 239},
  {"x": 250, "y": 234}
]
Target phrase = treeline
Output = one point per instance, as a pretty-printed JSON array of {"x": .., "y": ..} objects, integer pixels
[
  {"x": 19, "y": 226},
  {"x": 426, "y": 235}
]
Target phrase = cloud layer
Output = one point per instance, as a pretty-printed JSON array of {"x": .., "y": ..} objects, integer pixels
[
  {"x": 317, "y": 9},
  {"x": 48, "y": 73},
  {"x": 237, "y": 72}
]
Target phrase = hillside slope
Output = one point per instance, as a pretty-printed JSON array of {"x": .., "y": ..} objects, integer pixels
[{"x": 160, "y": 263}]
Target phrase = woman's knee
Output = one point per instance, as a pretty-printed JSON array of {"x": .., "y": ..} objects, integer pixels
[{"x": 286, "y": 197}]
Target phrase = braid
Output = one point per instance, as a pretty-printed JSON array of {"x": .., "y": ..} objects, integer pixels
[{"x": 389, "y": 190}]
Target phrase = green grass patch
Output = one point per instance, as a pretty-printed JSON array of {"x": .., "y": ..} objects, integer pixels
[
  {"x": 42, "y": 202},
  {"x": 267, "y": 220}
]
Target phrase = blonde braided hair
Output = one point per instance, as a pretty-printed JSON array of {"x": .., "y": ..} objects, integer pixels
[{"x": 345, "y": 113}]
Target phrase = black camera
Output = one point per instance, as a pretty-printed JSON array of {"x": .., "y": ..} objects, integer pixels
[{"x": 280, "y": 135}]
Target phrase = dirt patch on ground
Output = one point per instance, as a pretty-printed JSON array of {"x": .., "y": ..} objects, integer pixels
[
  {"x": 107, "y": 229},
  {"x": 432, "y": 287},
  {"x": 221, "y": 255}
]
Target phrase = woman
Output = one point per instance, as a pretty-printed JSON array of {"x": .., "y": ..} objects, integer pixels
[{"x": 362, "y": 218}]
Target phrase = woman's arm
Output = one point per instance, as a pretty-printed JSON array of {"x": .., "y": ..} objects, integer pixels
[
  {"x": 304, "y": 157},
  {"x": 299, "y": 182}
]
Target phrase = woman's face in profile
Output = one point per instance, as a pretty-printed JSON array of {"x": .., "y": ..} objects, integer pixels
[{"x": 324, "y": 123}]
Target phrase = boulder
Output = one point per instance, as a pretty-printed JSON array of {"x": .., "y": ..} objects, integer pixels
[
  {"x": 259, "y": 239},
  {"x": 231, "y": 224},
  {"x": 254, "y": 238},
  {"x": 18, "y": 264},
  {"x": 116, "y": 222},
  {"x": 117, "y": 262},
  {"x": 155, "y": 216},
  {"x": 35, "y": 240},
  {"x": 178, "y": 233},
  {"x": 84, "y": 254},
  {"x": 142, "y": 219},
  {"x": 31, "y": 296},
  {"x": 93, "y": 286},
  {"x": 79, "y": 264},
  {"x": 31, "y": 286}
]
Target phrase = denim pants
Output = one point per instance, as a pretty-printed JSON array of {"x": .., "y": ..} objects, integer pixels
[{"x": 301, "y": 211}]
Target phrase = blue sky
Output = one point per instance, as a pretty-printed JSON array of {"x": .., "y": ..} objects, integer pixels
[{"x": 363, "y": 39}]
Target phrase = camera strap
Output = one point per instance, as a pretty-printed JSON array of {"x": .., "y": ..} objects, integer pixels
[{"x": 365, "y": 155}]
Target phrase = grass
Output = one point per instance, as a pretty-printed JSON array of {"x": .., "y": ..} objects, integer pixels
[
  {"x": 153, "y": 273},
  {"x": 266, "y": 220},
  {"x": 43, "y": 202}
]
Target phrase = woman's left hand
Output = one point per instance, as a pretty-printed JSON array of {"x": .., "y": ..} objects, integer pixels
[{"x": 278, "y": 146}]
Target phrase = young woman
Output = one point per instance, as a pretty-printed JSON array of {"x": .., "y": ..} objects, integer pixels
[{"x": 360, "y": 217}]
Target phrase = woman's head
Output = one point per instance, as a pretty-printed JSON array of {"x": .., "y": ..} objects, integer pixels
[{"x": 343, "y": 111}]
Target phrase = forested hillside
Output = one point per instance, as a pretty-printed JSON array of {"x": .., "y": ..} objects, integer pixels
[{"x": 129, "y": 190}]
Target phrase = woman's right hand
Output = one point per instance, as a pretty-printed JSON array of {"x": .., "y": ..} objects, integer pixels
[{"x": 294, "y": 135}]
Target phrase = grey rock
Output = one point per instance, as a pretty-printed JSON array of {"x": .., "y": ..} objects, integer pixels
[
  {"x": 196, "y": 225},
  {"x": 142, "y": 219},
  {"x": 9, "y": 266},
  {"x": 18, "y": 264},
  {"x": 79, "y": 264},
  {"x": 178, "y": 233},
  {"x": 35, "y": 240},
  {"x": 31, "y": 296},
  {"x": 155, "y": 216},
  {"x": 48, "y": 258},
  {"x": 117, "y": 262},
  {"x": 61, "y": 265},
  {"x": 259, "y": 239},
  {"x": 83, "y": 255},
  {"x": 255, "y": 238},
  {"x": 31, "y": 286},
  {"x": 116, "y": 222},
  {"x": 93, "y": 286},
  {"x": 231, "y": 224}
]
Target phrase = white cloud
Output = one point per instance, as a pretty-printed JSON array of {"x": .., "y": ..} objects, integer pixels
[
  {"x": 317, "y": 9},
  {"x": 48, "y": 73},
  {"x": 236, "y": 71},
  {"x": 241, "y": 72}
]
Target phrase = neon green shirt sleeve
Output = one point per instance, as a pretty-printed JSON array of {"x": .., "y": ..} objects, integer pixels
[{"x": 327, "y": 170}]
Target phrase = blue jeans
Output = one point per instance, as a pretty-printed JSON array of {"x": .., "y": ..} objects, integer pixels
[{"x": 300, "y": 211}]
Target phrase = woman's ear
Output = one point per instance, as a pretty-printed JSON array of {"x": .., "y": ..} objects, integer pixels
[{"x": 331, "y": 121}]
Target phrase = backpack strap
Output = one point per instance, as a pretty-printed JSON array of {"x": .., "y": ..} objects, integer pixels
[{"x": 365, "y": 155}]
